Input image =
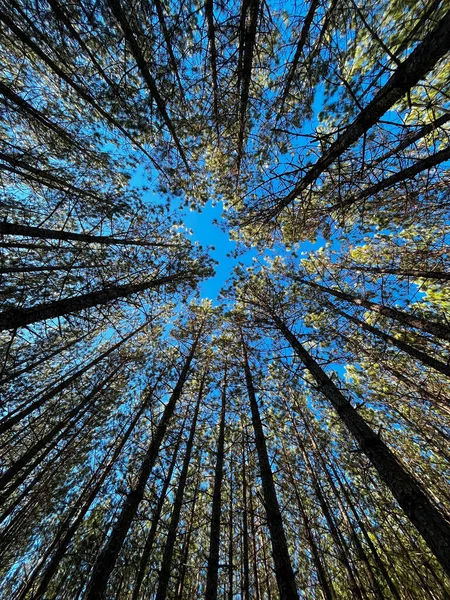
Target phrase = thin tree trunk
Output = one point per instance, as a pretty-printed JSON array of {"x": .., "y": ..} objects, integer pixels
[
  {"x": 413, "y": 69},
  {"x": 108, "y": 556},
  {"x": 60, "y": 545},
  {"x": 209, "y": 13},
  {"x": 14, "y": 318},
  {"x": 10, "y": 420},
  {"x": 156, "y": 516},
  {"x": 38, "y": 446},
  {"x": 283, "y": 567},
  {"x": 166, "y": 565},
  {"x": 424, "y": 358},
  {"x": 186, "y": 544},
  {"x": 419, "y": 273},
  {"x": 245, "y": 584},
  {"x": 422, "y": 165},
  {"x": 121, "y": 16},
  {"x": 82, "y": 93},
  {"x": 430, "y": 523},
  {"x": 214, "y": 539},
  {"x": 326, "y": 586},
  {"x": 439, "y": 330},
  {"x": 56, "y": 234},
  {"x": 298, "y": 53}
]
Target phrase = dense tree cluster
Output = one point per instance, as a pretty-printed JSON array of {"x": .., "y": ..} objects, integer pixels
[{"x": 291, "y": 439}]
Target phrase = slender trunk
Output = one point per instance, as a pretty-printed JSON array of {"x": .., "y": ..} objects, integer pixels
[
  {"x": 82, "y": 93},
  {"x": 424, "y": 358},
  {"x": 246, "y": 76},
  {"x": 209, "y": 13},
  {"x": 14, "y": 318},
  {"x": 214, "y": 539},
  {"x": 230, "y": 540},
  {"x": 55, "y": 234},
  {"x": 31, "y": 269},
  {"x": 327, "y": 587},
  {"x": 60, "y": 545},
  {"x": 283, "y": 567},
  {"x": 413, "y": 69},
  {"x": 166, "y": 565},
  {"x": 26, "y": 108},
  {"x": 379, "y": 563},
  {"x": 431, "y": 524},
  {"x": 108, "y": 556},
  {"x": 8, "y": 422},
  {"x": 377, "y": 593},
  {"x": 72, "y": 416},
  {"x": 298, "y": 53},
  {"x": 409, "y": 139},
  {"x": 186, "y": 544},
  {"x": 42, "y": 359},
  {"x": 421, "y": 165},
  {"x": 439, "y": 330},
  {"x": 121, "y": 16},
  {"x": 420, "y": 273},
  {"x": 245, "y": 584},
  {"x": 156, "y": 516},
  {"x": 254, "y": 545}
]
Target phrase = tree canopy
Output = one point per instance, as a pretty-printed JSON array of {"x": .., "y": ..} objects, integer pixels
[{"x": 290, "y": 438}]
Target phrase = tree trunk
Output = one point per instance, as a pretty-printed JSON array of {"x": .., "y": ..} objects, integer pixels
[
  {"x": 283, "y": 568},
  {"x": 214, "y": 539},
  {"x": 430, "y": 523},
  {"x": 121, "y": 16},
  {"x": 166, "y": 565},
  {"x": 419, "y": 273},
  {"x": 61, "y": 543},
  {"x": 8, "y": 422},
  {"x": 424, "y": 358},
  {"x": 412, "y": 70},
  {"x": 55, "y": 234},
  {"x": 108, "y": 556},
  {"x": 156, "y": 516},
  {"x": 439, "y": 330},
  {"x": 38, "y": 446},
  {"x": 14, "y": 318},
  {"x": 422, "y": 165}
]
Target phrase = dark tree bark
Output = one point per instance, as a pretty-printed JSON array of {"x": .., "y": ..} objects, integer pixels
[
  {"x": 424, "y": 515},
  {"x": 9, "y": 474},
  {"x": 166, "y": 565},
  {"x": 424, "y": 358},
  {"x": 439, "y": 330},
  {"x": 413, "y": 69},
  {"x": 214, "y": 539},
  {"x": 209, "y": 13},
  {"x": 61, "y": 543},
  {"x": 54, "y": 234},
  {"x": 82, "y": 93},
  {"x": 283, "y": 567},
  {"x": 298, "y": 53},
  {"x": 327, "y": 587},
  {"x": 156, "y": 516},
  {"x": 121, "y": 16},
  {"x": 108, "y": 556},
  {"x": 422, "y": 165},
  {"x": 399, "y": 272},
  {"x": 245, "y": 580},
  {"x": 246, "y": 75},
  {"x": 10, "y": 420},
  {"x": 14, "y": 318}
]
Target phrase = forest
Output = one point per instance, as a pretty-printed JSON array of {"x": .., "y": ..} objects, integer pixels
[{"x": 289, "y": 438}]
